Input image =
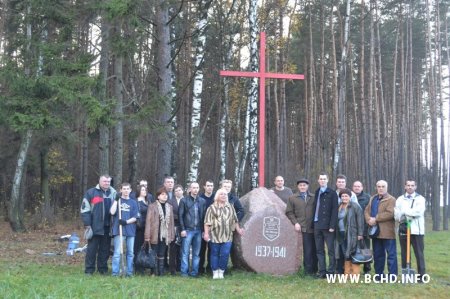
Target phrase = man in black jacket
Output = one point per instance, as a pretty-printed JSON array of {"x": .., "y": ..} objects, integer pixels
[
  {"x": 95, "y": 214},
  {"x": 325, "y": 220},
  {"x": 363, "y": 200},
  {"x": 191, "y": 214}
]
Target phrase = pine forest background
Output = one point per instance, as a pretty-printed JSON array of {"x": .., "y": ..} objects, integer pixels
[{"x": 132, "y": 88}]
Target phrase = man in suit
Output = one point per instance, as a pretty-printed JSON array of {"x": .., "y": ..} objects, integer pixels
[{"x": 325, "y": 220}]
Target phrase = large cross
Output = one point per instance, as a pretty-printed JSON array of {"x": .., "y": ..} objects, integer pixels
[{"x": 262, "y": 75}]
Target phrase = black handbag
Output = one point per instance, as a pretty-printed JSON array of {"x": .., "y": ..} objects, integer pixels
[
  {"x": 374, "y": 231},
  {"x": 362, "y": 254},
  {"x": 146, "y": 257}
]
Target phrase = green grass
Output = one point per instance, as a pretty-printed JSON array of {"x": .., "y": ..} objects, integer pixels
[
  {"x": 28, "y": 276},
  {"x": 59, "y": 279}
]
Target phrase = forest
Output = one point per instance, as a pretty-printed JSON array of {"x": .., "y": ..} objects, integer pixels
[{"x": 132, "y": 88}]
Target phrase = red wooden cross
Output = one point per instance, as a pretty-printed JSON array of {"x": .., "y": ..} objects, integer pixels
[{"x": 262, "y": 75}]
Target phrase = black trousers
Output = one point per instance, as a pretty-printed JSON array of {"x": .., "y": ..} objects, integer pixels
[
  {"x": 138, "y": 241},
  {"x": 309, "y": 253},
  {"x": 418, "y": 246},
  {"x": 160, "y": 248},
  {"x": 98, "y": 251},
  {"x": 342, "y": 249},
  {"x": 204, "y": 255},
  {"x": 322, "y": 237},
  {"x": 366, "y": 266},
  {"x": 174, "y": 257}
]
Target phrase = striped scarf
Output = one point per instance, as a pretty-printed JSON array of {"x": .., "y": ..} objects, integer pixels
[{"x": 163, "y": 223}]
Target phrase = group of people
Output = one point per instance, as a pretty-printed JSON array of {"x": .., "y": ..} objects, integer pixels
[
  {"x": 175, "y": 224},
  {"x": 172, "y": 223},
  {"x": 341, "y": 219}
]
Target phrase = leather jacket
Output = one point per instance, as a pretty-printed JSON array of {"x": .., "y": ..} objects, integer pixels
[{"x": 186, "y": 213}]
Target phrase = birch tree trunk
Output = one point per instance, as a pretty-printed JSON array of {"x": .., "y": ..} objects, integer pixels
[
  {"x": 15, "y": 213},
  {"x": 196, "y": 144},
  {"x": 251, "y": 123}
]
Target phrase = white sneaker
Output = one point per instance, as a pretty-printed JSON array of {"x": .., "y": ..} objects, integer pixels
[
  {"x": 220, "y": 274},
  {"x": 216, "y": 274}
]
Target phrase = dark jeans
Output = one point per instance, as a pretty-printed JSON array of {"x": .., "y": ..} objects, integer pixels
[
  {"x": 381, "y": 248},
  {"x": 309, "y": 253},
  {"x": 418, "y": 246},
  {"x": 322, "y": 237},
  {"x": 204, "y": 255},
  {"x": 98, "y": 250}
]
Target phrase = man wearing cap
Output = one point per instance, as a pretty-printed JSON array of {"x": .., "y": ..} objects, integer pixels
[{"x": 300, "y": 210}]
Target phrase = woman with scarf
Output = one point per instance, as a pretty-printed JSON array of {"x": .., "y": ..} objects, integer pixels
[
  {"x": 159, "y": 227},
  {"x": 220, "y": 222},
  {"x": 350, "y": 228}
]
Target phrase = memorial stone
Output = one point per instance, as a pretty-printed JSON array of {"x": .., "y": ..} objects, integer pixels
[{"x": 270, "y": 243}]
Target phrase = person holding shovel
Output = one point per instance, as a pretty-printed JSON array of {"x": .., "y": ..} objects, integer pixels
[
  {"x": 125, "y": 212},
  {"x": 410, "y": 207}
]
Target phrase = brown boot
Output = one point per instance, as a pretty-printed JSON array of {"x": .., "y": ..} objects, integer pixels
[
  {"x": 356, "y": 268},
  {"x": 347, "y": 267}
]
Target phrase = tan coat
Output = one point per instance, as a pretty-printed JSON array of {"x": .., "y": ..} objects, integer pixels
[
  {"x": 152, "y": 224},
  {"x": 385, "y": 216}
]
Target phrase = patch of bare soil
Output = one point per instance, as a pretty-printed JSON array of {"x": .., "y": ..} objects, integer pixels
[{"x": 40, "y": 246}]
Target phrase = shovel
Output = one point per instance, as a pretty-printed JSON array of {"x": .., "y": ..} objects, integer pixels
[
  {"x": 122, "y": 270},
  {"x": 408, "y": 271}
]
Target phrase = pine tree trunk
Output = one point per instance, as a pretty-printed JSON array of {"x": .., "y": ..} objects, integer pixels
[
  {"x": 341, "y": 111},
  {"x": 118, "y": 112},
  {"x": 104, "y": 139},
  {"x": 46, "y": 210},
  {"x": 364, "y": 110},
  {"x": 163, "y": 57},
  {"x": 84, "y": 162},
  {"x": 445, "y": 208},
  {"x": 435, "y": 183}
]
